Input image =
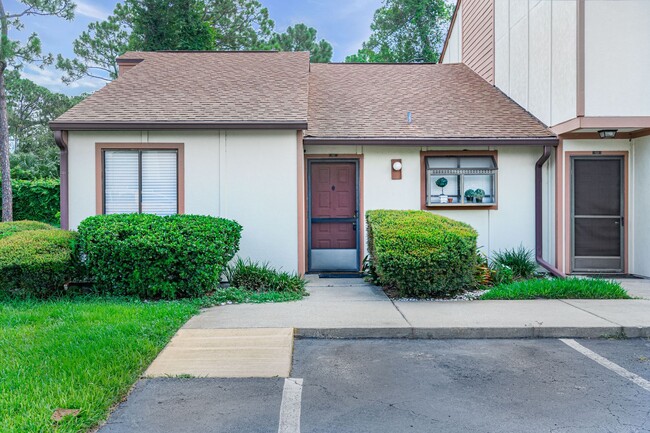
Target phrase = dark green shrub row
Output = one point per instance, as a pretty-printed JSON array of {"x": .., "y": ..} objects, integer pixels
[
  {"x": 260, "y": 277},
  {"x": 156, "y": 257},
  {"x": 37, "y": 200},
  {"x": 35, "y": 263},
  {"x": 10, "y": 228},
  {"x": 420, "y": 253}
]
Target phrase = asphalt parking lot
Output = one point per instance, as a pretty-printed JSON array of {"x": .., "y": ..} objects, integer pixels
[{"x": 542, "y": 385}]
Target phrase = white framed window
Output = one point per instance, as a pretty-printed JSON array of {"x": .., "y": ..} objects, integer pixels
[
  {"x": 140, "y": 181},
  {"x": 459, "y": 180}
]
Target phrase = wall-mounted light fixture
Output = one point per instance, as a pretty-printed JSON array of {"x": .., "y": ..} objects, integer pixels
[
  {"x": 396, "y": 169},
  {"x": 607, "y": 133}
]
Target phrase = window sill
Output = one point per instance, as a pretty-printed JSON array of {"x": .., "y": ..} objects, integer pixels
[{"x": 437, "y": 206}]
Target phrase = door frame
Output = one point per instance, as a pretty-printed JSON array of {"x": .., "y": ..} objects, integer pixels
[
  {"x": 357, "y": 159},
  {"x": 568, "y": 206}
]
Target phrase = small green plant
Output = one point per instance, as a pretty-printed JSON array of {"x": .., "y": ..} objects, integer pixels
[
  {"x": 501, "y": 274},
  {"x": 261, "y": 277},
  {"x": 442, "y": 183},
  {"x": 520, "y": 260},
  {"x": 479, "y": 194},
  {"x": 469, "y": 195}
]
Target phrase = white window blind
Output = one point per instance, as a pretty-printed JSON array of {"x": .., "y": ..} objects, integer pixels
[
  {"x": 121, "y": 186},
  {"x": 159, "y": 180},
  {"x": 140, "y": 181}
]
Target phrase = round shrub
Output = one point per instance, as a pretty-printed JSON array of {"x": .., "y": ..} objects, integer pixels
[
  {"x": 419, "y": 253},
  {"x": 10, "y": 228},
  {"x": 36, "y": 263},
  {"x": 156, "y": 257}
]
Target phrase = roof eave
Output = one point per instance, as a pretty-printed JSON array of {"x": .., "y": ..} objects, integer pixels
[
  {"x": 130, "y": 126},
  {"x": 433, "y": 141}
]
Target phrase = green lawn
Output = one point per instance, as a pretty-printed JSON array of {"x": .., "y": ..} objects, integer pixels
[
  {"x": 82, "y": 354},
  {"x": 568, "y": 288}
]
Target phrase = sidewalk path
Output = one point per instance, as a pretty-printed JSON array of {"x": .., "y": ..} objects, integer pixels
[{"x": 352, "y": 308}]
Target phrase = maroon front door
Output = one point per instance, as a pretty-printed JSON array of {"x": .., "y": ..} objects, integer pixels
[{"x": 333, "y": 216}]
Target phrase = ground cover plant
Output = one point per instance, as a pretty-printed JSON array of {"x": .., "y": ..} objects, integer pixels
[
  {"x": 77, "y": 354},
  {"x": 558, "y": 288},
  {"x": 261, "y": 277},
  {"x": 420, "y": 254}
]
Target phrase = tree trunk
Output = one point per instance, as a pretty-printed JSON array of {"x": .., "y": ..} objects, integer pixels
[{"x": 7, "y": 195}]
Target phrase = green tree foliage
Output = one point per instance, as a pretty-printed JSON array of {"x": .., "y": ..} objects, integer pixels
[
  {"x": 240, "y": 24},
  {"x": 97, "y": 48},
  {"x": 406, "y": 31},
  {"x": 303, "y": 38},
  {"x": 14, "y": 53},
  {"x": 170, "y": 25},
  {"x": 30, "y": 108}
]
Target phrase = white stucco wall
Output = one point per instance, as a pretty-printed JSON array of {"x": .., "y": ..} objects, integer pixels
[
  {"x": 513, "y": 223},
  {"x": 248, "y": 176},
  {"x": 641, "y": 196},
  {"x": 617, "y": 64},
  {"x": 454, "y": 53},
  {"x": 535, "y": 56}
]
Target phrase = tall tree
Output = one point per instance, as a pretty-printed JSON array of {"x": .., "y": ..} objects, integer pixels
[
  {"x": 240, "y": 24},
  {"x": 14, "y": 53},
  {"x": 303, "y": 38},
  {"x": 406, "y": 31},
  {"x": 97, "y": 48},
  {"x": 170, "y": 25}
]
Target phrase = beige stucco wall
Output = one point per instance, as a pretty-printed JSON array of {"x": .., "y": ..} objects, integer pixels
[
  {"x": 641, "y": 196},
  {"x": 513, "y": 223},
  {"x": 453, "y": 53},
  {"x": 535, "y": 56},
  {"x": 617, "y": 64},
  {"x": 248, "y": 176}
]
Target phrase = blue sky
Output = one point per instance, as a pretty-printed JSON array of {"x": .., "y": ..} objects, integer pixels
[{"x": 344, "y": 23}]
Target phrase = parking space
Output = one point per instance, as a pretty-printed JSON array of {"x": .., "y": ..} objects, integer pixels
[{"x": 380, "y": 386}]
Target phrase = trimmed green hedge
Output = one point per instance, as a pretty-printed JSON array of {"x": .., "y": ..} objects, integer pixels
[
  {"x": 36, "y": 200},
  {"x": 420, "y": 253},
  {"x": 35, "y": 263},
  {"x": 156, "y": 257},
  {"x": 10, "y": 228}
]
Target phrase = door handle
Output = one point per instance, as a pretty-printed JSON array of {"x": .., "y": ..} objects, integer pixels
[{"x": 354, "y": 226}]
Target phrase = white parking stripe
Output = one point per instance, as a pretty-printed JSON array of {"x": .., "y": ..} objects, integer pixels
[
  {"x": 607, "y": 363},
  {"x": 290, "y": 407}
]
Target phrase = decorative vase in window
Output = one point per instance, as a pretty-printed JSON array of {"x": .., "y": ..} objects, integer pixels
[
  {"x": 442, "y": 183},
  {"x": 479, "y": 194},
  {"x": 469, "y": 196}
]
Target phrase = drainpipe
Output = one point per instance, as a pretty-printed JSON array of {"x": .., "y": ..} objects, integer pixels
[
  {"x": 60, "y": 137},
  {"x": 538, "y": 215}
]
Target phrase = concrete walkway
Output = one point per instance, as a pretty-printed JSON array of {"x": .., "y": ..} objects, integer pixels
[{"x": 352, "y": 308}]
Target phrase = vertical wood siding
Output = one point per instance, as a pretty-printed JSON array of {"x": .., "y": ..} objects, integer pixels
[{"x": 478, "y": 37}]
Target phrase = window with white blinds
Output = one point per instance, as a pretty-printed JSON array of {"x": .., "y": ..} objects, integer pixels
[{"x": 141, "y": 181}]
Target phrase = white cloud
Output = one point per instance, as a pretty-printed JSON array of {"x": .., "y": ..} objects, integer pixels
[
  {"x": 51, "y": 78},
  {"x": 91, "y": 11}
]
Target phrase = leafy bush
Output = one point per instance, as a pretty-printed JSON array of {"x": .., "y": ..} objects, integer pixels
[
  {"x": 567, "y": 288},
  {"x": 37, "y": 200},
  {"x": 156, "y": 257},
  {"x": 521, "y": 262},
  {"x": 36, "y": 263},
  {"x": 420, "y": 253},
  {"x": 260, "y": 277},
  {"x": 10, "y": 228}
]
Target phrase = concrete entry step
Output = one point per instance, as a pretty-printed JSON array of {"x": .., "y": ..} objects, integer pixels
[{"x": 224, "y": 353}]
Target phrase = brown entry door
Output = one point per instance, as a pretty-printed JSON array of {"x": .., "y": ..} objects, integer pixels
[
  {"x": 597, "y": 210},
  {"x": 333, "y": 216}
]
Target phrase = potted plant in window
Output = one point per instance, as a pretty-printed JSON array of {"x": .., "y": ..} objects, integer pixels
[
  {"x": 442, "y": 183},
  {"x": 469, "y": 196},
  {"x": 479, "y": 194}
]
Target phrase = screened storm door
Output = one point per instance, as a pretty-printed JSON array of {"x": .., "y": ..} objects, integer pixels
[
  {"x": 333, "y": 216},
  {"x": 597, "y": 213}
]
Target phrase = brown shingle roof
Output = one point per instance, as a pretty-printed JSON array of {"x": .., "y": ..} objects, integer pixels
[
  {"x": 446, "y": 101},
  {"x": 271, "y": 89},
  {"x": 202, "y": 87}
]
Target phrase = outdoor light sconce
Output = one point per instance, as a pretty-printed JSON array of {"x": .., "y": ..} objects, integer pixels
[
  {"x": 396, "y": 169},
  {"x": 607, "y": 133}
]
